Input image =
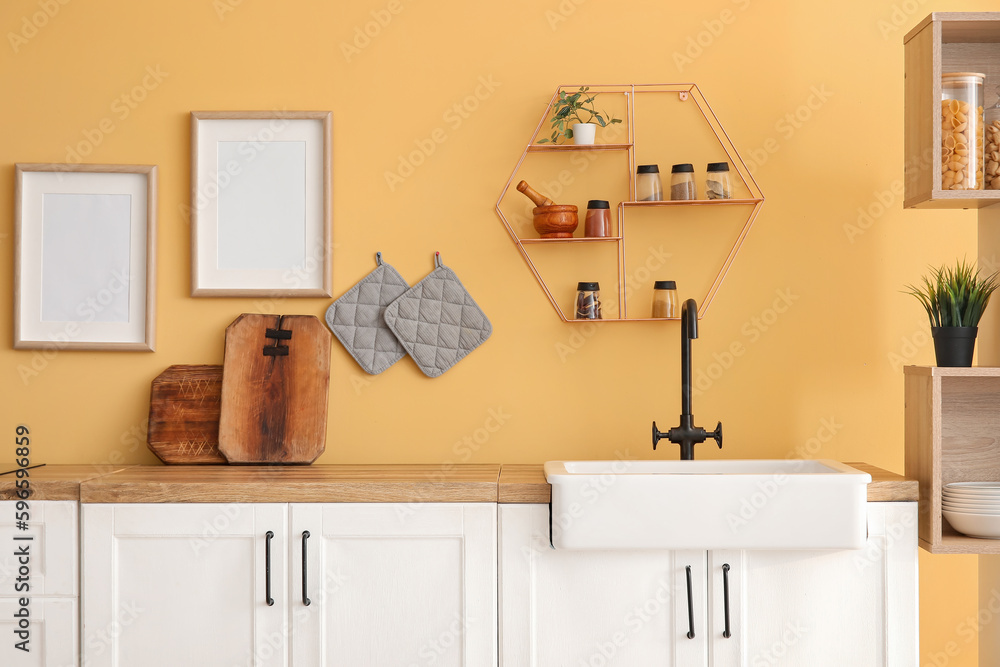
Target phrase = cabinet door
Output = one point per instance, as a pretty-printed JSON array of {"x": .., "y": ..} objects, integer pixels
[
  {"x": 595, "y": 608},
  {"x": 53, "y": 547},
  {"x": 393, "y": 584},
  {"x": 168, "y": 585},
  {"x": 52, "y": 640},
  {"x": 822, "y": 608}
]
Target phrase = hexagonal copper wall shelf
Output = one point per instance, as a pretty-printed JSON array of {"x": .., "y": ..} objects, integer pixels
[{"x": 581, "y": 167}]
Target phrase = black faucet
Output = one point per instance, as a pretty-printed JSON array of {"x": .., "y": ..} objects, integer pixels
[{"x": 687, "y": 435}]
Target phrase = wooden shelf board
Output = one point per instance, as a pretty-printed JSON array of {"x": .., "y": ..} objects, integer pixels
[
  {"x": 542, "y": 148},
  {"x": 956, "y": 199},
  {"x": 943, "y": 371}
]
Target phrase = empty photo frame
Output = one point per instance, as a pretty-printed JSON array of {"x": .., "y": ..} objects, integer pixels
[
  {"x": 260, "y": 206},
  {"x": 84, "y": 257}
]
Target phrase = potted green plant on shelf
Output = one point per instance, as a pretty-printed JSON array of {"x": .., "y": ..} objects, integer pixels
[
  {"x": 954, "y": 298},
  {"x": 568, "y": 108}
]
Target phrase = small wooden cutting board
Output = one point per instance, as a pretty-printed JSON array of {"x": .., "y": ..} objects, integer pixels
[
  {"x": 184, "y": 415},
  {"x": 275, "y": 389}
]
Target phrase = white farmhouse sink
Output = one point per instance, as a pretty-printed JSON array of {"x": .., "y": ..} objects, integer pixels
[{"x": 762, "y": 504}]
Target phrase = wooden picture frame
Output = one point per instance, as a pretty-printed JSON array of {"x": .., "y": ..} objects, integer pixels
[
  {"x": 85, "y": 256},
  {"x": 261, "y": 203}
]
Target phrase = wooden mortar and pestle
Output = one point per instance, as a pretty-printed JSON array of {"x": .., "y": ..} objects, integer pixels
[{"x": 552, "y": 221}]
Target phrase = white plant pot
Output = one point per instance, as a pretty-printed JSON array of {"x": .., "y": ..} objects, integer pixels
[{"x": 584, "y": 133}]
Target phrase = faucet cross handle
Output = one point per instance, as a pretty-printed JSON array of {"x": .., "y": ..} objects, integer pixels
[{"x": 716, "y": 434}]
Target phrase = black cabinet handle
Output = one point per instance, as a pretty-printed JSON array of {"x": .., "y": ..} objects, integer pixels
[
  {"x": 690, "y": 634},
  {"x": 725, "y": 602},
  {"x": 305, "y": 588},
  {"x": 268, "y": 536}
]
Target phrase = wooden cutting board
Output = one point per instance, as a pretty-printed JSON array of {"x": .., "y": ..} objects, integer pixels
[
  {"x": 275, "y": 388},
  {"x": 184, "y": 403}
]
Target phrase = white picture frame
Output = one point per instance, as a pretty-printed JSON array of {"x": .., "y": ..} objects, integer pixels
[
  {"x": 260, "y": 204},
  {"x": 84, "y": 257}
]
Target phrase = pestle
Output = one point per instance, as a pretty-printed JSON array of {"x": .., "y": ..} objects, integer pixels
[{"x": 529, "y": 192}]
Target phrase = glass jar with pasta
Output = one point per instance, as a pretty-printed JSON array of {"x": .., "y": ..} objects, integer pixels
[{"x": 962, "y": 131}]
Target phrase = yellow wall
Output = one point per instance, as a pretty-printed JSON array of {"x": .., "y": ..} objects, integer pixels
[{"x": 834, "y": 356}]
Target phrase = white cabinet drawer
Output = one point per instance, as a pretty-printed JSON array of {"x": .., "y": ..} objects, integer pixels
[
  {"x": 53, "y": 640},
  {"x": 54, "y": 549}
]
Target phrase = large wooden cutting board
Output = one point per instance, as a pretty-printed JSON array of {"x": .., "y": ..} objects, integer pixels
[
  {"x": 184, "y": 415},
  {"x": 275, "y": 389}
]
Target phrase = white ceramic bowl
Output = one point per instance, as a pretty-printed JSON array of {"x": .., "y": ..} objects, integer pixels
[
  {"x": 978, "y": 488},
  {"x": 971, "y": 492},
  {"x": 971, "y": 501},
  {"x": 975, "y": 525},
  {"x": 966, "y": 509}
]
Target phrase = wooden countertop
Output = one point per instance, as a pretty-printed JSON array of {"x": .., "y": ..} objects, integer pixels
[
  {"x": 468, "y": 483},
  {"x": 526, "y": 484},
  {"x": 51, "y": 482},
  {"x": 489, "y": 483}
]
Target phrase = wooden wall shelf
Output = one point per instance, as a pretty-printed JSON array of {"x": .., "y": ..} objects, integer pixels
[
  {"x": 685, "y": 93},
  {"x": 943, "y": 42},
  {"x": 952, "y": 435}
]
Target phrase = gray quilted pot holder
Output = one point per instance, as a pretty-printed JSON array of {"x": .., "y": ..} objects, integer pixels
[
  {"x": 437, "y": 321},
  {"x": 356, "y": 318}
]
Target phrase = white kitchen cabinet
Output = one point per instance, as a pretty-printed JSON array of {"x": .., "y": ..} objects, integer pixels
[
  {"x": 823, "y": 608},
  {"x": 392, "y": 584},
  {"x": 54, "y": 565},
  {"x": 590, "y": 608},
  {"x": 53, "y": 628},
  {"x": 387, "y": 584},
  {"x": 186, "y": 584},
  {"x": 786, "y": 608},
  {"x": 52, "y": 544}
]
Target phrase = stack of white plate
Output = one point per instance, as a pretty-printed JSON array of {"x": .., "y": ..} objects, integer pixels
[{"x": 973, "y": 508}]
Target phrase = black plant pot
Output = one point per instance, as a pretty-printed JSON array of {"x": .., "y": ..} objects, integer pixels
[{"x": 953, "y": 346}]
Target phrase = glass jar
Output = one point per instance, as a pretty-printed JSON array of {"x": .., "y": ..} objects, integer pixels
[
  {"x": 991, "y": 139},
  {"x": 962, "y": 131},
  {"x": 598, "y": 221},
  {"x": 682, "y": 182},
  {"x": 664, "y": 298},
  {"x": 588, "y": 301},
  {"x": 717, "y": 185},
  {"x": 647, "y": 183}
]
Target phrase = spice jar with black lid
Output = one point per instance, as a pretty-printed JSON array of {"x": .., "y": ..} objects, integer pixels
[
  {"x": 682, "y": 182},
  {"x": 588, "y": 301}
]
